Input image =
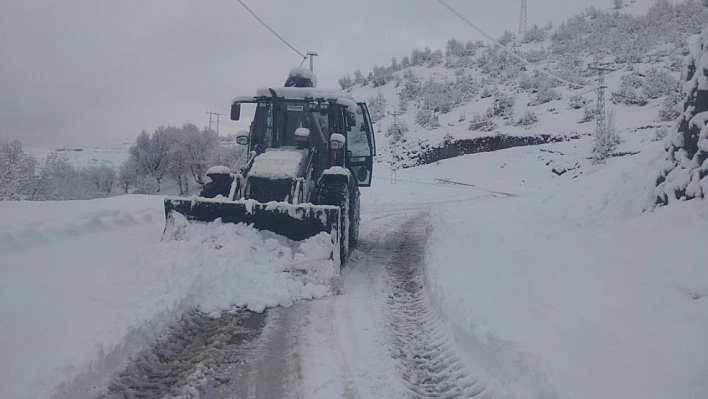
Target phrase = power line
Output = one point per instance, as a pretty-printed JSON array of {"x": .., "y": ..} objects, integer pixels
[
  {"x": 505, "y": 48},
  {"x": 304, "y": 57}
]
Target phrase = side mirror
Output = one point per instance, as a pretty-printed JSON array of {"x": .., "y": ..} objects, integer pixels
[
  {"x": 242, "y": 137},
  {"x": 235, "y": 111}
]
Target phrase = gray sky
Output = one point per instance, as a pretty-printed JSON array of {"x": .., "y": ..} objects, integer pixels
[{"x": 97, "y": 72}]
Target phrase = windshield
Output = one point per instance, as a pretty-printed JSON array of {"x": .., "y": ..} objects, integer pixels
[{"x": 276, "y": 123}]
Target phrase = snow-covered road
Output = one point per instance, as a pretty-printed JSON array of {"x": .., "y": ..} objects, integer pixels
[{"x": 380, "y": 337}]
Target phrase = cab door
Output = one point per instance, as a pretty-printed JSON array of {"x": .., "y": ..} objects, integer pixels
[{"x": 361, "y": 146}]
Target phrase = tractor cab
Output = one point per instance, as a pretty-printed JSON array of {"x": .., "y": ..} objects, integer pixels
[{"x": 304, "y": 118}]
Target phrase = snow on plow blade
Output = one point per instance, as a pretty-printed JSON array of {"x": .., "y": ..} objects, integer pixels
[{"x": 296, "y": 222}]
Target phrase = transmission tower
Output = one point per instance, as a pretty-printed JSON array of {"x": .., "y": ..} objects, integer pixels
[
  {"x": 600, "y": 110},
  {"x": 523, "y": 22},
  {"x": 211, "y": 114}
]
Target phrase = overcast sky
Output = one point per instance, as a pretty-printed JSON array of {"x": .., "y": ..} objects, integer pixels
[{"x": 97, "y": 72}]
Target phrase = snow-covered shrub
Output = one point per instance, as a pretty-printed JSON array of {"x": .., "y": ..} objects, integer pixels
[
  {"x": 670, "y": 108},
  {"x": 454, "y": 48},
  {"x": 436, "y": 57},
  {"x": 630, "y": 91},
  {"x": 411, "y": 86},
  {"x": 534, "y": 35},
  {"x": 686, "y": 167},
  {"x": 359, "y": 78},
  {"x": 377, "y": 107},
  {"x": 545, "y": 95},
  {"x": 659, "y": 83},
  {"x": 488, "y": 91},
  {"x": 503, "y": 105},
  {"x": 577, "y": 101},
  {"x": 499, "y": 64},
  {"x": 536, "y": 56},
  {"x": 437, "y": 96},
  {"x": 397, "y": 132},
  {"x": 345, "y": 82},
  {"x": 427, "y": 118},
  {"x": 482, "y": 123},
  {"x": 146, "y": 185},
  {"x": 100, "y": 179},
  {"x": 127, "y": 176},
  {"x": 506, "y": 38},
  {"x": 381, "y": 75},
  {"x": 588, "y": 114},
  {"x": 535, "y": 82},
  {"x": 17, "y": 172},
  {"x": 528, "y": 119}
]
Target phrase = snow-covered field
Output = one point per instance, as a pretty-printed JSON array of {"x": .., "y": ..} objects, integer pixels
[
  {"x": 111, "y": 156},
  {"x": 551, "y": 286}
]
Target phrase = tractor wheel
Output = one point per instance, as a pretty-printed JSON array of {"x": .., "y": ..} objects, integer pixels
[
  {"x": 337, "y": 193},
  {"x": 354, "y": 216}
]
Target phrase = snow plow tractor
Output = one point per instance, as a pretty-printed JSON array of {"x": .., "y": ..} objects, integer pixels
[{"x": 309, "y": 152}]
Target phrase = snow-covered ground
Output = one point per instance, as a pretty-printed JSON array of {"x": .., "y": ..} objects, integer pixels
[{"x": 547, "y": 286}]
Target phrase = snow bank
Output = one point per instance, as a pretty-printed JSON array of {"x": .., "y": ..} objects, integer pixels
[{"x": 89, "y": 283}]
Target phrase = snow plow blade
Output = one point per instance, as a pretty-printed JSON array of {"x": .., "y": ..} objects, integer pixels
[{"x": 296, "y": 222}]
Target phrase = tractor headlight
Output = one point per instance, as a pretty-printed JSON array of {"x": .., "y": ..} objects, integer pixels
[{"x": 336, "y": 141}]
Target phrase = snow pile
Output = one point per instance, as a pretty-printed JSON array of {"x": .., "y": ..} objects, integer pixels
[
  {"x": 277, "y": 164},
  {"x": 233, "y": 265}
]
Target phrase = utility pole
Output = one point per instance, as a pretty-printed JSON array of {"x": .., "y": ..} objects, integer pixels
[
  {"x": 394, "y": 154},
  {"x": 523, "y": 22},
  {"x": 312, "y": 54},
  {"x": 211, "y": 114}
]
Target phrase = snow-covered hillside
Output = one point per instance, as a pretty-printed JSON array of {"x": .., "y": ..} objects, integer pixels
[{"x": 475, "y": 89}]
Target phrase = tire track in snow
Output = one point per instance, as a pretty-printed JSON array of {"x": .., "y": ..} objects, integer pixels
[
  {"x": 197, "y": 354},
  {"x": 425, "y": 352}
]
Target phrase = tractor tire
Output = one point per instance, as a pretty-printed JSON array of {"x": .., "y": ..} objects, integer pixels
[
  {"x": 337, "y": 193},
  {"x": 354, "y": 216}
]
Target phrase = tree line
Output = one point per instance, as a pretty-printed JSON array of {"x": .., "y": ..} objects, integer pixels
[{"x": 178, "y": 154}]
